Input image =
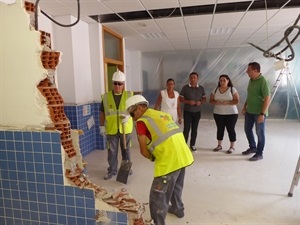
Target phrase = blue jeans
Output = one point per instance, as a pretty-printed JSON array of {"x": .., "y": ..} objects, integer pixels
[{"x": 250, "y": 121}]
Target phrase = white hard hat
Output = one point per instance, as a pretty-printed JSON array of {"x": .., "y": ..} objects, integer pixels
[
  {"x": 135, "y": 100},
  {"x": 118, "y": 76}
]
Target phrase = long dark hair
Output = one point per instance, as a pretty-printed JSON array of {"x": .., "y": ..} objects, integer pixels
[{"x": 227, "y": 78}]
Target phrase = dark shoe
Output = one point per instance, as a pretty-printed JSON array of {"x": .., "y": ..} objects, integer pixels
[
  {"x": 193, "y": 148},
  {"x": 108, "y": 176},
  {"x": 179, "y": 214},
  {"x": 256, "y": 157},
  {"x": 230, "y": 150},
  {"x": 249, "y": 151},
  {"x": 218, "y": 148}
]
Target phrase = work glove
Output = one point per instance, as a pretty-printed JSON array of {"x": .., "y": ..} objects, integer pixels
[
  {"x": 124, "y": 118},
  {"x": 102, "y": 131}
]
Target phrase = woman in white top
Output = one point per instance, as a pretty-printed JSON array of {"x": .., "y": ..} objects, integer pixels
[
  {"x": 225, "y": 98},
  {"x": 168, "y": 101}
]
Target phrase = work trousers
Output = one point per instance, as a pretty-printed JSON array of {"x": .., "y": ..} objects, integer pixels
[
  {"x": 113, "y": 142},
  {"x": 165, "y": 189}
]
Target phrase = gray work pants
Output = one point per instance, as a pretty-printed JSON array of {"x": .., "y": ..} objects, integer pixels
[
  {"x": 113, "y": 142},
  {"x": 166, "y": 189}
]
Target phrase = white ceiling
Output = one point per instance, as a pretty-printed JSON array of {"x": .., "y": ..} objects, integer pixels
[{"x": 263, "y": 28}]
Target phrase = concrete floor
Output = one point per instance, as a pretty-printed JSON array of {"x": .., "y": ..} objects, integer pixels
[{"x": 222, "y": 189}]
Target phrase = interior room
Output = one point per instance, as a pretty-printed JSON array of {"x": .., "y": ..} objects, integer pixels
[{"x": 58, "y": 59}]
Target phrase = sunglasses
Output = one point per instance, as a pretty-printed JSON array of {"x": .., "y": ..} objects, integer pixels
[
  {"x": 118, "y": 83},
  {"x": 132, "y": 111}
]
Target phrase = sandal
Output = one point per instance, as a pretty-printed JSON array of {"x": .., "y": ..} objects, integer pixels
[
  {"x": 218, "y": 148},
  {"x": 230, "y": 150}
]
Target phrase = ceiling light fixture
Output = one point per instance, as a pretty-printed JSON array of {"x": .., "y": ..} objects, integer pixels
[
  {"x": 221, "y": 31},
  {"x": 157, "y": 35}
]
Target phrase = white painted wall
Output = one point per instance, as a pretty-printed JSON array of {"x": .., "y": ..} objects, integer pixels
[{"x": 133, "y": 70}]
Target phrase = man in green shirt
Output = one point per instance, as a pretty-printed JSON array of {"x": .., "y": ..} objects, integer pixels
[{"x": 255, "y": 110}]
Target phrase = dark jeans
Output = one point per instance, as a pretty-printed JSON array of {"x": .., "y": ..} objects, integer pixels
[
  {"x": 228, "y": 122},
  {"x": 250, "y": 121},
  {"x": 191, "y": 120}
]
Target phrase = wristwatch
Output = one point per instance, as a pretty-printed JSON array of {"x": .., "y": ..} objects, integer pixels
[{"x": 262, "y": 114}]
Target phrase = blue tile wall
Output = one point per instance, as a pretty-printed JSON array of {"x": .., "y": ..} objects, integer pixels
[
  {"x": 31, "y": 185},
  {"x": 91, "y": 139}
]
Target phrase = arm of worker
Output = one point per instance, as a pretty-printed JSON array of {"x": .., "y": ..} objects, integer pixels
[
  {"x": 143, "y": 147},
  {"x": 158, "y": 102}
]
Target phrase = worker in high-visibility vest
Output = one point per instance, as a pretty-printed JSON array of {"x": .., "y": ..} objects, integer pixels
[
  {"x": 112, "y": 115},
  {"x": 162, "y": 141}
]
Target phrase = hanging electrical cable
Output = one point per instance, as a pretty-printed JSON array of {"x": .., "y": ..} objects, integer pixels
[
  {"x": 63, "y": 25},
  {"x": 268, "y": 53}
]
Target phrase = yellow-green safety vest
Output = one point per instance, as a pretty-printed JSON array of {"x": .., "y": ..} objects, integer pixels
[
  {"x": 113, "y": 122},
  {"x": 168, "y": 144}
]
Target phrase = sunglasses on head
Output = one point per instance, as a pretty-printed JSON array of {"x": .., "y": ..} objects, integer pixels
[{"x": 118, "y": 83}]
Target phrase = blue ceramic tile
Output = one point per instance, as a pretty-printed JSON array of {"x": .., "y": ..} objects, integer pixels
[
  {"x": 40, "y": 177},
  {"x": 28, "y": 146},
  {"x": 71, "y": 219},
  {"x": 50, "y": 189},
  {"x": 51, "y": 208},
  {"x": 24, "y": 205},
  {"x": 38, "y": 157},
  {"x": 2, "y": 135},
  {"x": 80, "y": 212},
  {"x": 27, "y": 136},
  {"x": 19, "y": 146},
  {"x": 122, "y": 217},
  {"x": 41, "y": 188},
  {"x": 36, "y": 136},
  {"x": 37, "y": 147},
  {"x": 46, "y": 147},
  {"x": 55, "y": 137},
  {"x": 46, "y": 137},
  {"x": 25, "y": 215},
  {"x": 21, "y": 177},
  {"x": 71, "y": 211},
  {"x": 20, "y": 156},
  {"x": 32, "y": 188},
  {"x": 48, "y": 168},
  {"x": 18, "y": 135},
  {"x": 56, "y": 148},
  {"x": 33, "y": 206},
  {"x": 58, "y": 179},
  {"x": 57, "y": 169},
  {"x": 10, "y": 145},
  {"x": 57, "y": 159},
  {"x": 47, "y": 159},
  {"x": 21, "y": 167},
  {"x": 4, "y": 175},
  {"x": 9, "y": 135},
  {"x": 11, "y": 155},
  {"x": 61, "y": 210},
  {"x": 70, "y": 200},
  {"x": 49, "y": 179},
  {"x": 39, "y": 167},
  {"x": 61, "y": 219},
  {"x": 30, "y": 167},
  {"x": 112, "y": 216},
  {"x": 42, "y": 206},
  {"x": 12, "y": 165},
  {"x": 2, "y": 147},
  {"x": 34, "y": 215}
]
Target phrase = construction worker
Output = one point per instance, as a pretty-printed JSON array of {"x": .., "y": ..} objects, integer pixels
[
  {"x": 112, "y": 115},
  {"x": 162, "y": 141}
]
